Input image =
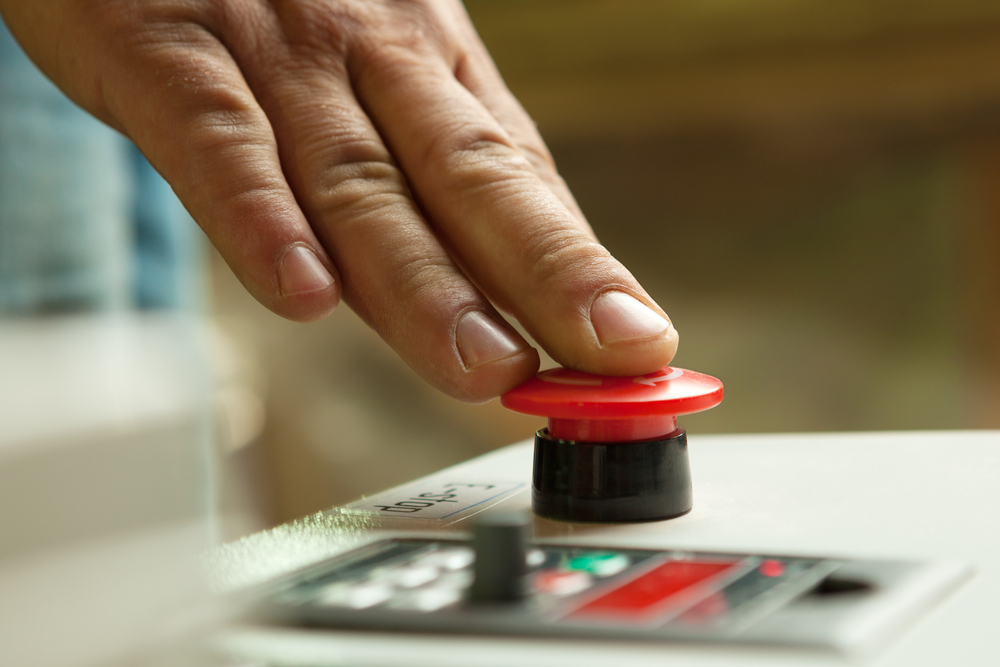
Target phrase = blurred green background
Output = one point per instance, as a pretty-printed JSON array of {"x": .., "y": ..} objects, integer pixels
[{"x": 810, "y": 189}]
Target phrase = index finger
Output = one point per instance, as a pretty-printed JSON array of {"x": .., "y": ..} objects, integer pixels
[{"x": 508, "y": 231}]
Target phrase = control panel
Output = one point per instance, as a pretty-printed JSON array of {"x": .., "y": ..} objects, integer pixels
[{"x": 498, "y": 584}]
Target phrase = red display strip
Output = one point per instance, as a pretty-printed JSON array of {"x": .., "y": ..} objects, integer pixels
[{"x": 648, "y": 595}]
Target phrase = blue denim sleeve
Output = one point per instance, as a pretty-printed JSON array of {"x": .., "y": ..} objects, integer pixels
[
  {"x": 169, "y": 248},
  {"x": 85, "y": 222}
]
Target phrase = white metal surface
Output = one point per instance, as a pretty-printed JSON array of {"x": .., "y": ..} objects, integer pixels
[{"x": 912, "y": 496}]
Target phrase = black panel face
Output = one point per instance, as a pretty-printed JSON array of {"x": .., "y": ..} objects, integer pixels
[{"x": 423, "y": 584}]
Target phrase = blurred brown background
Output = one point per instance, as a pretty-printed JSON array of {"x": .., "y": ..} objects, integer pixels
[{"x": 810, "y": 189}]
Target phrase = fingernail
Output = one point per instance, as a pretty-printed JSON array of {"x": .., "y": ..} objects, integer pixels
[
  {"x": 617, "y": 316},
  {"x": 301, "y": 271},
  {"x": 480, "y": 340}
]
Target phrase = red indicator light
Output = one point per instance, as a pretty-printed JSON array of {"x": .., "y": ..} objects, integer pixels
[
  {"x": 771, "y": 568},
  {"x": 651, "y": 593}
]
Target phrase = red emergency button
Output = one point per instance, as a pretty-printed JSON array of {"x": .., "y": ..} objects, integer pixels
[
  {"x": 597, "y": 408},
  {"x": 612, "y": 451}
]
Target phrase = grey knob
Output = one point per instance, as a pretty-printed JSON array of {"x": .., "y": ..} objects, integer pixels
[{"x": 501, "y": 569}]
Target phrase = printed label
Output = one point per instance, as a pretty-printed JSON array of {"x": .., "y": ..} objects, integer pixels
[{"x": 434, "y": 501}]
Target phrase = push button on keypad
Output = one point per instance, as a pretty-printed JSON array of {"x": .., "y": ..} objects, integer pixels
[{"x": 599, "y": 564}]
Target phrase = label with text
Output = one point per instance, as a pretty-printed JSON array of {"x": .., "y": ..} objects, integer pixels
[{"x": 433, "y": 500}]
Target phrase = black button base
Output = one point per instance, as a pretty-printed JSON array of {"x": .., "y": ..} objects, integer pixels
[{"x": 610, "y": 482}]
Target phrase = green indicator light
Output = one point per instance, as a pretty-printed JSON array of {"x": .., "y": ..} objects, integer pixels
[{"x": 599, "y": 564}]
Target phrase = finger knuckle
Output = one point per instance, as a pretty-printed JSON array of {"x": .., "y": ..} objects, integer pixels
[
  {"x": 324, "y": 27},
  {"x": 560, "y": 260},
  {"x": 222, "y": 119},
  {"x": 398, "y": 34},
  {"x": 389, "y": 58},
  {"x": 225, "y": 142},
  {"x": 422, "y": 279},
  {"x": 470, "y": 158},
  {"x": 423, "y": 283},
  {"x": 367, "y": 184}
]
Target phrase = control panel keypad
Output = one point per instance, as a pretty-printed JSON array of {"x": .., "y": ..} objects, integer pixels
[{"x": 567, "y": 584}]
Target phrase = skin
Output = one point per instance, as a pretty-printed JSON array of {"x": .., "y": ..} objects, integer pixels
[{"x": 376, "y": 133}]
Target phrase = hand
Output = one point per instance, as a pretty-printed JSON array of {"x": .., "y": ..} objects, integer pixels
[{"x": 364, "y": 148}]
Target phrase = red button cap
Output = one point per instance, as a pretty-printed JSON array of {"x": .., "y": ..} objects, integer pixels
[{"x": 601, "y": 408}]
